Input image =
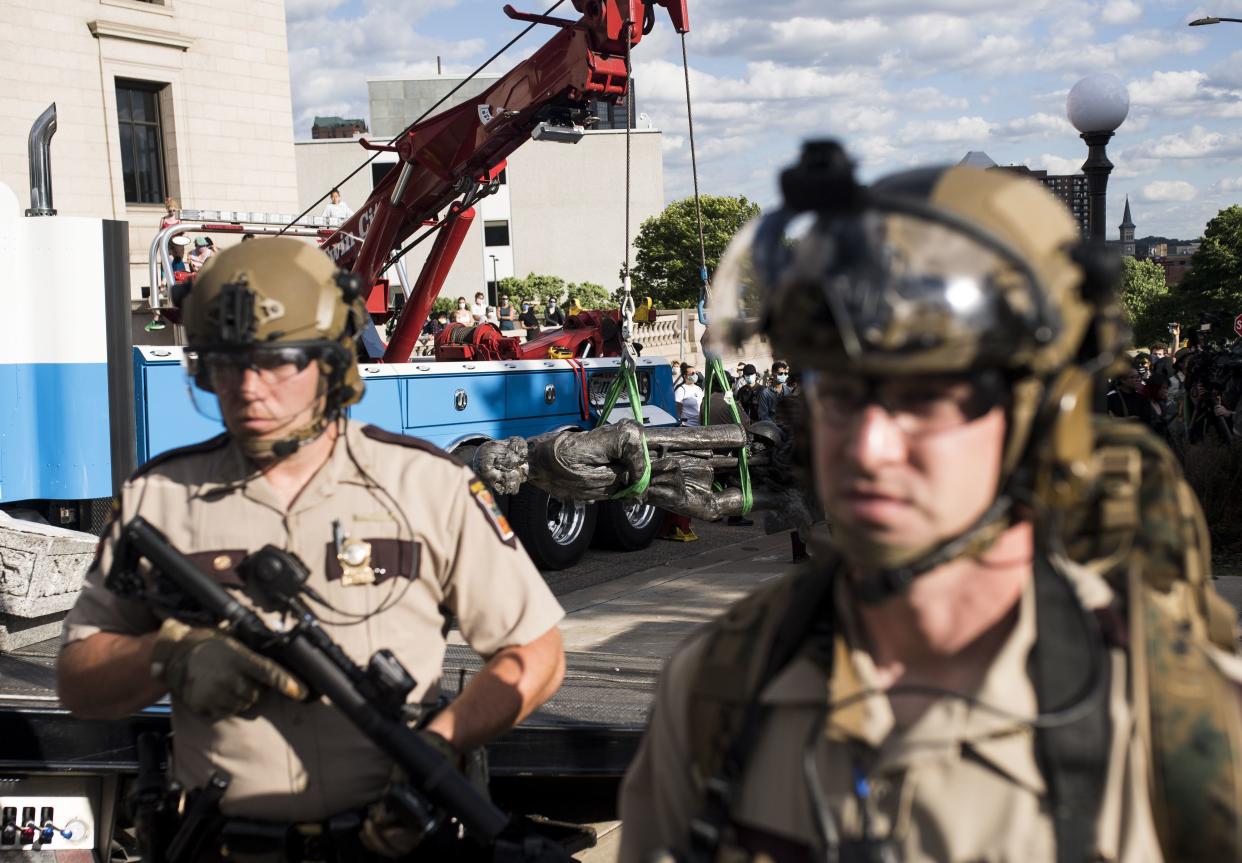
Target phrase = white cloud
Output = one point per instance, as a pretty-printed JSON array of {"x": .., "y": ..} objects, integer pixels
[
  {"x": 1056, "y": 164},
  {"x": 1163, "y": 88},
  {"x": 1120, "y": 12},
  {"x": 1196, "y": 143},
  {"x": 1169, "y": 190},
  {"x": 670, "y": 143},
  {"x": 963, "y": 130},
  {"x": 1040, "y": 125},
  {"x": 930, "y": 99},
  {"x": 1080, "y": 56},
  {"x": 1129, "y": 167},
  {"x": 305, "y": 10}
]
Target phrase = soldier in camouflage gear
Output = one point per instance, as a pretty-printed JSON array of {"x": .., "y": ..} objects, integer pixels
[{"x": 997, "y": 658}]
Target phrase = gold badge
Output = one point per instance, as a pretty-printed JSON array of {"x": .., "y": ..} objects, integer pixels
[
  {"x": 355, "y": 560},
  {"x": 221, "y": 562}
]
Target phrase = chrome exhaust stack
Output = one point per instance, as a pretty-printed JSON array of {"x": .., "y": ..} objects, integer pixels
[{"x": 39, "y": 146}]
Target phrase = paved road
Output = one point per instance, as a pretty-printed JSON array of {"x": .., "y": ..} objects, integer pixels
[{"x": 601, "y": 566}]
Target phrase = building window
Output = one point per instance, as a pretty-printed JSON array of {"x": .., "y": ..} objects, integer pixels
[
  {"x": 379, "y": 170},
  {"x": 142, "y": 140},
  {"x": 496, "y": 233}
]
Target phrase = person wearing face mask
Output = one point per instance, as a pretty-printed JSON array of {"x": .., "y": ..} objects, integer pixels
[
  {"x": 530, "y": 320},
  {"x": 478, "y": 310},
  {"x": 770, "y": 396},
  {"x": 689, "y": 396},
  {"x": 461, "y": 315},
  {"x": 748, "y": 390},
  {"x": 507, "y": 314},
  {"x": 552, "y": 315}
]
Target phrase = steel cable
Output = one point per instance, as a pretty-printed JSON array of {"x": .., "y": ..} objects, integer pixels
[
  {"x": 694, "y": 173},
  {"x": 425, "y": 114}
]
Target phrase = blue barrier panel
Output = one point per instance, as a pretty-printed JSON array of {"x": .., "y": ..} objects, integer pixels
[
  {"x": 166, "y": 414},
  {"x": 54, "y": 431}
]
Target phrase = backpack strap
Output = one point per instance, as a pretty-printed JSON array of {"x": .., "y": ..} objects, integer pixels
[
  {"x": 1073, "y": 756},
  {"x": 745, "y": 651}
]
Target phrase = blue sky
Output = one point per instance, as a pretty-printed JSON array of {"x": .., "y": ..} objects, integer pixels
[{"x": 900, "y": 82}]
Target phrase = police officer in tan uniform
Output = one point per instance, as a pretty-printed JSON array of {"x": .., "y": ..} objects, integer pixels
[
  {"x": 397, "y": 536},
  {"x": 943, "y": 683}
]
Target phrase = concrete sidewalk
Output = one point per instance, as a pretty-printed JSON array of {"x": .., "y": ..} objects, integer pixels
[{"x": 650, "y": 613}]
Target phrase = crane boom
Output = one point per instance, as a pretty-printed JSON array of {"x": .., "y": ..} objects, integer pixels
[{"x": 453, "y": 157}]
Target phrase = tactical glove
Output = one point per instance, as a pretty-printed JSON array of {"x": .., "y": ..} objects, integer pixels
[
  {"x": 385, "y": 832},
  {"x": 214, "y": 674}
]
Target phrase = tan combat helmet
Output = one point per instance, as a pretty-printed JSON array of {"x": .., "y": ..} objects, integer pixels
[
  {"x": 279, "y": 291},
  {"x": 935, "y": 271}
]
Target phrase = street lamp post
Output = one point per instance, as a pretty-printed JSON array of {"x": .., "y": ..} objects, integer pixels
[
  {"x": 494, "y": 293},
  {"x": 1097, "y": 105},
  {"x": 1212, "y": 19}
]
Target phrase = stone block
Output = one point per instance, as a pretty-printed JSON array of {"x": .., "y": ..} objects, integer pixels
[
  {"x": 41, "y": 573},
  {"x": 19, "y": 632}
]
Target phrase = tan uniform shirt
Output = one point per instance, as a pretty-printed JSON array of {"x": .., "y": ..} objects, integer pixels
[
  {"x": 957, "y": 784},
  {"x": 437, "y": 544}
]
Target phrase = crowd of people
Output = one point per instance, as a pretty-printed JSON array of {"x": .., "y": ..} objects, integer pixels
[
  {"x": 508, "y": 315},
  {"x": 756, "y": 395},
  {"x": 1161, "y": 392}
]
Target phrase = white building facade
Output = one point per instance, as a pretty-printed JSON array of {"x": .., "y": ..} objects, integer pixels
[{"x": 184, "y": 98}]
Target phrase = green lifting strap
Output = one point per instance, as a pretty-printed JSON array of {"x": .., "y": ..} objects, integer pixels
[
  {"x": 715, "y": 371},
  {"x": 628, "y": 378}
]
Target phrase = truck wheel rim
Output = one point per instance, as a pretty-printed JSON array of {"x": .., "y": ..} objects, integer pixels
[
  {"x": 565, "y": 520},
  {"x": 638, "y": 514}
]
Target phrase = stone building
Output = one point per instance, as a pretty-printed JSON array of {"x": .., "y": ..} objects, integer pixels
[
  {"x": 1070, "y": 188},
  {"x": 337, "y": 127},
  {"x": 187, "y": 98}
]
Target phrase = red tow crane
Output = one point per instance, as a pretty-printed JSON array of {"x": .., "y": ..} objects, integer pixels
[{"x": 448, "y": 162}]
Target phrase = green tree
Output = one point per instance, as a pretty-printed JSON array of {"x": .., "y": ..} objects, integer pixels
[
  {"x": 1143, "y": 299},
  {"x": 1214, "y": 283},
  {"x": 443, "y": 305},
  {"x": 666, "y": 260},
  {"x": 591, "y": 296},
  {"x": 539, "y": 289},
  {"x": 533, "y": 289}
]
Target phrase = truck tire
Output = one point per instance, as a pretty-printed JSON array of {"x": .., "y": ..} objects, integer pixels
[
  {"x": 627, "y": 525},
  {"x": 555, "y": 533}
]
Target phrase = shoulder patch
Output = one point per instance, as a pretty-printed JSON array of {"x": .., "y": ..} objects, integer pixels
[
  {"x": 175, "y": 453},
  {"x": 487, "y": 502},
  {"x": 383, "y": 436}
]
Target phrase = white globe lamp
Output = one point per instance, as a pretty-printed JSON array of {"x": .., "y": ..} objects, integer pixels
[
  {"x": 1098, "y": 103},
  {"x": 1097, "y": 106}
]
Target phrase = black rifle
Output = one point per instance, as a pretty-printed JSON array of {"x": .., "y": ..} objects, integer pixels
[{"x": 371, "y": 699}]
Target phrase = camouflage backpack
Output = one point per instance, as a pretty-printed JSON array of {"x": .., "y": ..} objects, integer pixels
[{"x": 1140, "y": 526}]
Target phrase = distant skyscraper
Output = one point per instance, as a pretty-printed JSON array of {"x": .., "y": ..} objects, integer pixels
[{"x": 1070, "y": 188}]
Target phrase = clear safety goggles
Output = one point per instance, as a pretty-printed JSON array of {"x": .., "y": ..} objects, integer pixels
[{"x": 274, "y": 364}]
